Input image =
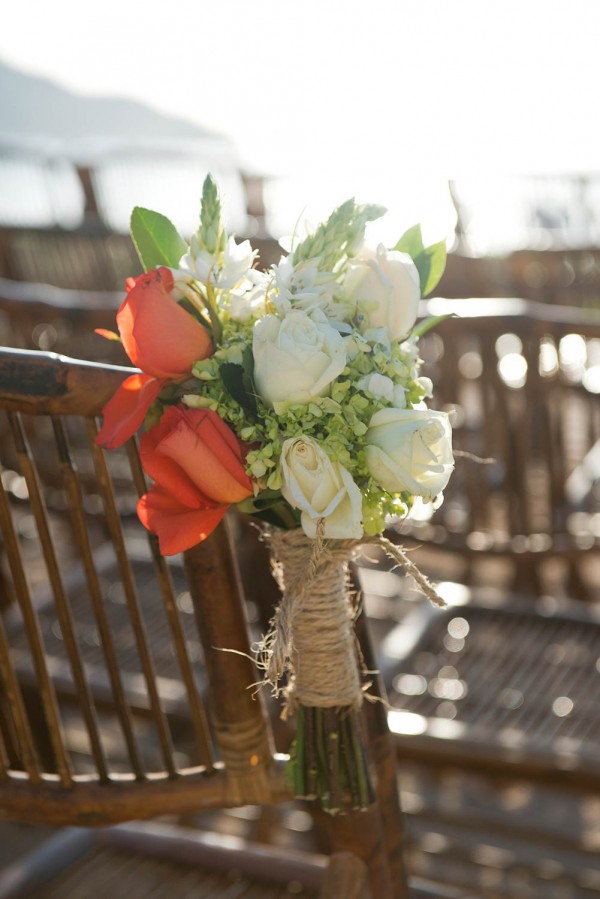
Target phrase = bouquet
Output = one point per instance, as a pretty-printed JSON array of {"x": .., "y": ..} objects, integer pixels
[{"x": 294, "y": 394}]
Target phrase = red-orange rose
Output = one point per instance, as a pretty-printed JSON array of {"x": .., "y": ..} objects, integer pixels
[
  {"x": 197, "y": 464},
  {"x": 162, "y": 339}
]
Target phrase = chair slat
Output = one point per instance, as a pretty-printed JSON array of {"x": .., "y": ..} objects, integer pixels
[
  {"x": 79, "y": 527},
  {"x": 26, "y": 745},
  {"x": 35, "y": 641},
  {"x": 4, "y": 761},
  {"x": 61, "y": 603},
  {"x": 196, "y": 708},
  {"x": 133, "y": 605}
]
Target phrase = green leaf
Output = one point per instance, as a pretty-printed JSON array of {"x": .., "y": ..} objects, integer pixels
[
  {"x": 428, "y": 323},
  {"x": 259, "y": 503},
  {"x": 270, "y": 507},
  {"x": 430, "y": 261},
  {"x": 248, "y": 377},
  {"x": 234, "y": 378},
  {"x": 156, "y": 239},
  {"x": 431, "y": 264},
  {"x": 411, "y": 242}
]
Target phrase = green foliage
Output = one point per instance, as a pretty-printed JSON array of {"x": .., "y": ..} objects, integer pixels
[
  {"x": 428, "y": 323},
  {"x": 156, "y": 239},
  {"x": 411, "y": 242},
  {"x": 211, "y": 234},
  {"x": 430, "y": 261},
  {"x": 336, "y": 239},
  {"x": 238, "y": 381}
]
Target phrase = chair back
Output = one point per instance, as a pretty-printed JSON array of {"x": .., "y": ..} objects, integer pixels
[
  {"x": 38, "y": 316},
  {"x": 521, "y": 381},
  {"x": 119, "y": 698},
  {"x": 90, "y": 258}
]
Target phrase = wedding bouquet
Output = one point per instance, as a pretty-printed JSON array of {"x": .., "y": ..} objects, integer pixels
[{"x": 294, "y": 394}]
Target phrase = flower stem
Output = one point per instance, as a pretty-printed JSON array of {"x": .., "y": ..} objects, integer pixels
[
  {"x": 365, "y": 790},
  {"x": 332, "y": 746},
  {"x": 350, "y": 762},
  {"x": 299, "y": 785},
  {"x": 322, "y": 760},
  {"x": 328, "y": 760},
  {"x": 312, "y": 768},
  {"x": 211, "y": 305}
]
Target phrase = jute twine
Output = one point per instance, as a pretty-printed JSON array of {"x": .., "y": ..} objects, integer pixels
[{"x": 312, "y": 636}]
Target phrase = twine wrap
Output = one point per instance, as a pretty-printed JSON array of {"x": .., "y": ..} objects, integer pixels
[{"x": 312, "y": 637}]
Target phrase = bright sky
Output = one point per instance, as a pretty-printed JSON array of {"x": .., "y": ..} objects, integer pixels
[{"x": 383, "y": 98}]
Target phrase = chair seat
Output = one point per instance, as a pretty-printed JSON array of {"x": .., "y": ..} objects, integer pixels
[
  {"x": 500, "y": 685},
  {"x": 161, "y": 861}
]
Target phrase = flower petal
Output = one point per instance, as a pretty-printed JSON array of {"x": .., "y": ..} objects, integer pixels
[
  {"x": 207, "y": 459},
  {"x": 158, "y": 334},
  {"x": 163, "y": 470},
  {"x": 126, "y": 410},
  {"x": 178, "y": 528}
]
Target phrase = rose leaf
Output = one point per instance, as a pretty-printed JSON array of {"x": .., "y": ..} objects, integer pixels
[
  {"x": 234, "y": 377},
  {"x": 156, "y": 239}
]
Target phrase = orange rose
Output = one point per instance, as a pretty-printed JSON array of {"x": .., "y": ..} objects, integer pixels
[
  {"x": 197, "y": 464},
  {"x": 162, "y": 339}
]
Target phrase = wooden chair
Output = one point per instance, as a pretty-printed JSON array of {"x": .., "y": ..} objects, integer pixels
[
  {"x": 521, "y": 382},
  {"x": 505, "y": 678},
  {"x": 89, "y": 258},
  {"x": 36, "y": 316},
  {"x": 84, "y": 739},
  {"x": 495, "y": 705}
]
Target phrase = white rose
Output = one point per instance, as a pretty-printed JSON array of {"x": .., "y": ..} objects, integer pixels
[
  {"x": 386, "y": 289},
  {"x": 296, "y": 359},
  {"x": 410, "y": 449},
  {"x": 320, "y": 488}
]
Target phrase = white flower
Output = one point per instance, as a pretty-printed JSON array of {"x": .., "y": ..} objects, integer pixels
[
  {"x": 223, "y": 273},
  {"x": 320, "y": 488},
  {"x": 304, "y": 287},
  {"x": 426, "y": 385},
  {"x": 297, "y": 358},
  {"x": 238, "y": 260},
  {"x": 249, "y": 299},
  {"x": 386, "y": 289},
  {"x": 410, "y": 449}
]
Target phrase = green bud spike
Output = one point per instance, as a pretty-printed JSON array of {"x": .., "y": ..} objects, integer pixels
[
  {"x": 338, "y": 237},
  {"x": 211, "y": 235}
]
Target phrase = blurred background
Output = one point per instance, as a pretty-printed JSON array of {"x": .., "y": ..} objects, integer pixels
[{"x": 476, "y": 121}]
